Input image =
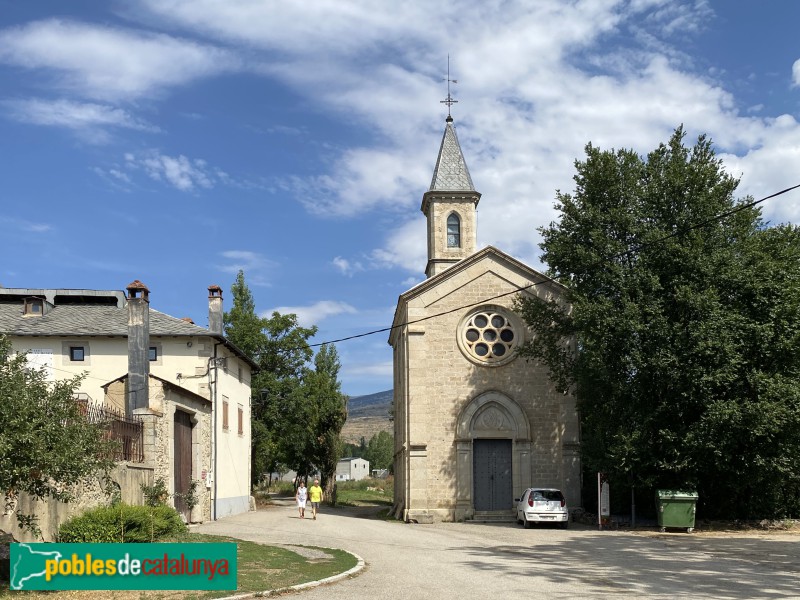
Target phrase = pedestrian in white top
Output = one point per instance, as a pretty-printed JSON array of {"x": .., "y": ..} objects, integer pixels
[{"x": 301, "y": 496}]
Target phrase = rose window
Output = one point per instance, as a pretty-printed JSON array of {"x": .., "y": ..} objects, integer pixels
[{"x": 488, "y": 336}]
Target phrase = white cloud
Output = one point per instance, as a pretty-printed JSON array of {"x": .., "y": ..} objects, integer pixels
[
  {"x": 537, "y": 81},
  {"x": 27, "y": 226},
  {"x": 362, "y": 179},
  {"x": 315, "y": 313},
  {"x": 117, "y": 174},
  {"x": 293, "y": 27},
  {"x": 406, "y": 247},
  {"x": 244, "y": 260},
  {"x": 354, "y": 371},
  {"x": 110, "y": 63},
  {"x": 256, "y": 266},
  {"x": 410, "y": 282},
  {"x": 522, "y": 122},
  {"x": 771, "y": 165},
  {"x": 179, "y": 171},
  {"x": 345, "y": 267},
  {"x": 89, "y": 119}
]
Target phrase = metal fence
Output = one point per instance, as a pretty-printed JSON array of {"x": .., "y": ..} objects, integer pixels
[{"x": 127, "y": 431}]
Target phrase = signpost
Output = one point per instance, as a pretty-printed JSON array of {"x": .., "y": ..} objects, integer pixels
[{"x": 603, "y": 500}]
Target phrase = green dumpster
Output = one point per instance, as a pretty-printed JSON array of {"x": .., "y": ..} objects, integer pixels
[{"x": 676, "y": 509}]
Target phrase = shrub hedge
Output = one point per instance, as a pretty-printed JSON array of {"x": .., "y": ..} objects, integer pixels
[{"x": 122, "y": 523}]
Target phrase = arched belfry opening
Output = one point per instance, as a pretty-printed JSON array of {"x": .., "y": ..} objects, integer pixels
[
  {"x": 453, "y": 231},
  {"x": 493, "y": 447}
]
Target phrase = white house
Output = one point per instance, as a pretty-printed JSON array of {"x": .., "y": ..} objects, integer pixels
[
  {"x": 180, "y": 392},
  {"x": 352, "y": 469}
]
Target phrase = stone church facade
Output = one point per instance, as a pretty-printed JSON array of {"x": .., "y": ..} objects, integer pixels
[{"x": 474, "y": 423}]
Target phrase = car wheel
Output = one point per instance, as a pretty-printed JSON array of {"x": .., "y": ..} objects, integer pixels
[
  {"x": 565, "y": 525},
  {"x": 525, "y": 523}
]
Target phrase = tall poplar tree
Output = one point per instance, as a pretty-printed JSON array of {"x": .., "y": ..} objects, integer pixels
[
  {"x": 327, "y": 413},
  {"x": 686, "y": 353},
  {"x": 298, "y": 411}
]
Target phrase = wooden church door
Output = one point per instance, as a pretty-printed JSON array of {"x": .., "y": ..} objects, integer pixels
[{"x": 493, "y": 488}]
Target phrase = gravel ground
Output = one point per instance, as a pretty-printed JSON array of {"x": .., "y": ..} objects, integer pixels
[{"x": 466, "y": 560}]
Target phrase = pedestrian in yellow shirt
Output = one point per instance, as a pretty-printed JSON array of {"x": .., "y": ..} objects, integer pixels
[{"x": 316, "y": 496}]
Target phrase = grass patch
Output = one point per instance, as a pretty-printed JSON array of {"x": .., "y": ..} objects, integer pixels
[
  {"x": 260, "y": 568},
  {"x": 365, "y": 492}
]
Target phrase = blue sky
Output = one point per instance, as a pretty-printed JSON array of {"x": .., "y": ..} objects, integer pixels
[{"x": 177, "y": 141}]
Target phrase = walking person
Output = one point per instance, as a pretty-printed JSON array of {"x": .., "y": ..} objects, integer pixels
[
  {"x": 301, "y": 495},
  {"x": 316, "y": 496}
]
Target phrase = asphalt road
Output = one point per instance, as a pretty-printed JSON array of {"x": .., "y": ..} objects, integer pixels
[{"x": 460, "y": 561}]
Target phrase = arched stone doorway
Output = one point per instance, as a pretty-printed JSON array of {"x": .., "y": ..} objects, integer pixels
[{"x": 492, "y": 431}]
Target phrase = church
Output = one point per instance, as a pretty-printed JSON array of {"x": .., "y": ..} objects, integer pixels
[{"x": 474, "y": 423}]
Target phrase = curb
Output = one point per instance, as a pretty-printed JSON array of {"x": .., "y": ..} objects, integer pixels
[{"x": 303, "y": 586}]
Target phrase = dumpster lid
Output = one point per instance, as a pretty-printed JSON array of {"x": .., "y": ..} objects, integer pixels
[{"x": 676, "y": 495}]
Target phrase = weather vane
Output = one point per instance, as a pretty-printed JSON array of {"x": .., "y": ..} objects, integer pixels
[{"x": 449, "y": 100}]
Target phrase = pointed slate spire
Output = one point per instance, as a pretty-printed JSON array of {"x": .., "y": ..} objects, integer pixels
[{"x": 451, "y": 173}]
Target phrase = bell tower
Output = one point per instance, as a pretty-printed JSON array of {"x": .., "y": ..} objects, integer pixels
[{"x": 450, "y": 206}]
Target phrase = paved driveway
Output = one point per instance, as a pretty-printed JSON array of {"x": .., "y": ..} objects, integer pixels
[{"x": 459, "y": 561}]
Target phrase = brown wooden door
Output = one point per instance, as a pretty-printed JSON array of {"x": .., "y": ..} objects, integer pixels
[{"x": 183, "y": 459}]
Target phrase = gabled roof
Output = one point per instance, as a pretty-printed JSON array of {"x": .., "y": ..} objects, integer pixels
[
  {"x": 451, "y": 173},
  {"x": 88, "y": 319},
  {"x": 93, "y": 319},
  {"x": 484, "y": 254},
  {"x": 164, "y": 382}
]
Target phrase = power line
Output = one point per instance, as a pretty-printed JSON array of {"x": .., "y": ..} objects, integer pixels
[{"x": 548, "y": 279}]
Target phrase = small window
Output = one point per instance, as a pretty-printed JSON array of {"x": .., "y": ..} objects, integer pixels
[
  {"x": 453, "y": 231},
  {"x": 33, "y": 306},
  {"x": 225, "y": 414},
  {"x": 76, "y": 353},
  {"x": 152, "y": 354},
  {"x": 241, "y": 420}
]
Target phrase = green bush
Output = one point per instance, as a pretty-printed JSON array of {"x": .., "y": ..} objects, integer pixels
[
  {"x": 122, "y": 523},
  {"x": 156, "y": 494}
]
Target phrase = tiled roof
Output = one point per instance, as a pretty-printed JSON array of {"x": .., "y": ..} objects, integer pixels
[
  {"x": 82, "y": 319},
  {"x": 451, "y": 173}
]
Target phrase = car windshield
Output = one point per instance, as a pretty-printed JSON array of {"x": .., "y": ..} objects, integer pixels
[{"x": 551, "y": 495}]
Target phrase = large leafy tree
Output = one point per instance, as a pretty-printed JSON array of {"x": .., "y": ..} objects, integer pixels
[
  {"x": 380, "y": 451},
  {"x": 46, "y": 442},
  {"x": 297, "y": 410},
  {"x": 680, "y": 332}
]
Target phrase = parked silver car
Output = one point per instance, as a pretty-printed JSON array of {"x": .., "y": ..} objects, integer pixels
[{"x": 542, "y": 505}]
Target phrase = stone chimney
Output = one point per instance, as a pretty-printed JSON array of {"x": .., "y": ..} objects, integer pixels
[
  {"x": 137, "y": 395},
  {"x": 215, "y": 309}
]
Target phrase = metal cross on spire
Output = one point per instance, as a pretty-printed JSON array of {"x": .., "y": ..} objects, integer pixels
[{"x": 449, "y": 100}]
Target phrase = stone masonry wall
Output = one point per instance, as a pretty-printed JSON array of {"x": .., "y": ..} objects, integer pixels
[{"x": 443, "y": 381}]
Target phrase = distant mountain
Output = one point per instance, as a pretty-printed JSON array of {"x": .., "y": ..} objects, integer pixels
[
  {"x": 367, "y": 415},
  {"x": 372, "y": 405}
]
